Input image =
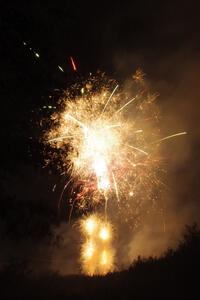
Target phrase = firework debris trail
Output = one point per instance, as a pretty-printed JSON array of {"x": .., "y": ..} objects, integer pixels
[
  {"x": 38, "y": 56},
  {"x": 108, "y": 139}
]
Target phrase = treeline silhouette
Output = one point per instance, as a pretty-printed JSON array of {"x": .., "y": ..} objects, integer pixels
[{"x": 173, "y": 276}]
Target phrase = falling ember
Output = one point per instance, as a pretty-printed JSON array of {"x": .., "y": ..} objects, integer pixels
[
  {"x": 37, "y": 54},
  {"x": 73, "y": 64},
  {"x": 60, "y": 68},
  {"x": 108, "y": 138}
]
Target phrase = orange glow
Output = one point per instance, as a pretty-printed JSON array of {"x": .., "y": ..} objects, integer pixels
[{"x": 73, "y": 64}]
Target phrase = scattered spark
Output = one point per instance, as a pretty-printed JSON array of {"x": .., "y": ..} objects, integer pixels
[
  {"x": 60, "y": 138},
  {"x": 138, "y": 149},
  {"x": 110, "y": 98},
  {"x": 73, "y": 63},
  {"x": 37, "y": 54},
  {"x": 116, "y": 187},
  {"x": 82, "y": 91},
  {"x": 60, "y": 68},
  {"x": 139, "y": 131},
  {"x": 170, "y": 136},
  {"x": 139, "y": 76},
  {"x": 129, "y": 102}
]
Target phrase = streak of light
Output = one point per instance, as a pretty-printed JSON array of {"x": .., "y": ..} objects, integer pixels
[
  {"x": 129, "y": 102},
  {"x": 138, "y": 149},
  {"x": 60, "y": 138},
  {"x": 73, "y": 63},
  {"x": 109, "y": 99},
  {"x": 116, "y": 187},
  {"x": 37, "y": 54},
  {"x": 60, "y": 68},
  {"x": 169, "y": 137}
]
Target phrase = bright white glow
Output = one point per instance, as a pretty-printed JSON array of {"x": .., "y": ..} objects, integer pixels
[{"x": 104, "y": 233}]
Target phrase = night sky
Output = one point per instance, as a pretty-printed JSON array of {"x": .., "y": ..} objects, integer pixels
[{"x": 160, "y": 37}]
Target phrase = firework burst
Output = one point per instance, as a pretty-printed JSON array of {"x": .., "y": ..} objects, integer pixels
[{"x": 107, "y": 137}]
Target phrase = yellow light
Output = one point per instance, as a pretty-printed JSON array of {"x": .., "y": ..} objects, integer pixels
[
  {"x": 131, "y": 194},
  {"x": 97, "y": 255},
  {"x": 104, "y": 258},
  {"x": 90, "y": 225},
  {"x": 104, "y": 233},
  {"x": 89, "y": 249}
]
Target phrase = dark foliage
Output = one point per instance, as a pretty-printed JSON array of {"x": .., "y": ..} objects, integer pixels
[{"x": 174, "y": 276}]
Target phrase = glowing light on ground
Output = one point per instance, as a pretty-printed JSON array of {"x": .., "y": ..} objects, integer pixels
[{"x": 97, "y": 255}]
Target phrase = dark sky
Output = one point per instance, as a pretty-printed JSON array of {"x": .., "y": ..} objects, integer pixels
[
  {"x": 162, "y": 37},
  {"x": 96, "y": 34}
]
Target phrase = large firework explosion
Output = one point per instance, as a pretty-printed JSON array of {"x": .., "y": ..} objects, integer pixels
[{"x": 107, "y": 137}]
